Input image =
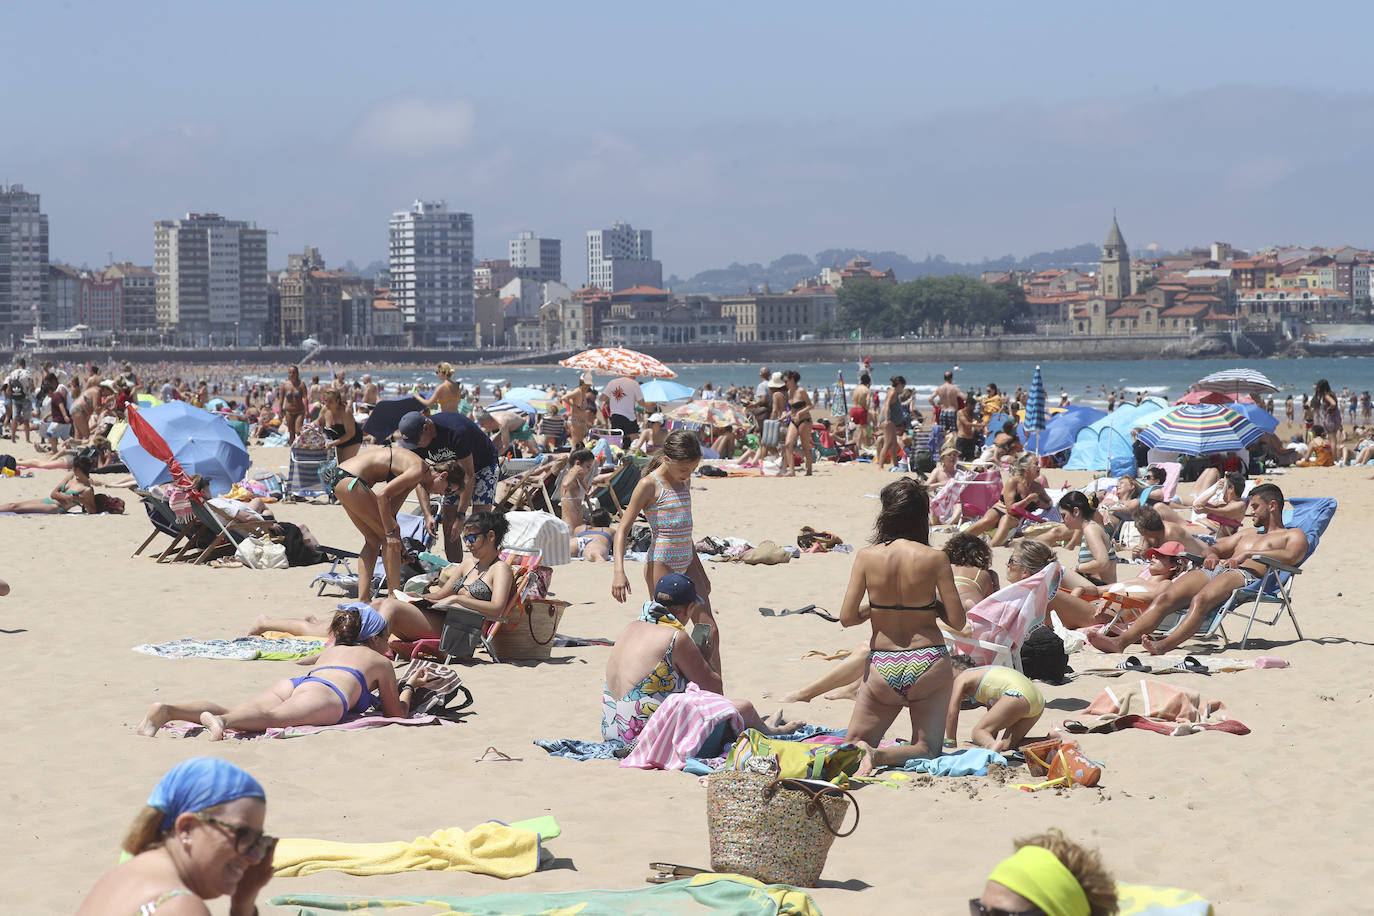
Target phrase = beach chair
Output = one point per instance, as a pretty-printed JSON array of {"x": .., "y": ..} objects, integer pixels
[
  {"x": 525, "y": 565},
  {"x": 303, "y": 475},
  {"x": 1275, "y": 589},
  {"x": 615, "y": 496},
  {"x": 1001, "y": 620},
  {"x": 340, "y": 574},
  {"x": 164, "y": 521}
]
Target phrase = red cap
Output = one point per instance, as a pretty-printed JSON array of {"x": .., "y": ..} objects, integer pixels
[{"x": 1167, "y": 549}]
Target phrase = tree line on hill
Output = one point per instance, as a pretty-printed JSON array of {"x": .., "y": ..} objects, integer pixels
[
  {"x": 790, "y": 269},
  {"x": 927, "y": 306}
]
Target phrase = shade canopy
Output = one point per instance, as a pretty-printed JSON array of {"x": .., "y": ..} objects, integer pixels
[
  {"x": 619, "y": 361},
  {"x": 1200, "y": 429}
]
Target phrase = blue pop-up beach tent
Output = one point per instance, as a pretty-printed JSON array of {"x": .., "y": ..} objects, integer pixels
[
  {"x": 1061, "y": 430},
  {"x": 1110, "y": 437}
]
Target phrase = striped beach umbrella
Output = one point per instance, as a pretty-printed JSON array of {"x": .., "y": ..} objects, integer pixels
[
  {"x": 1200, "y": 429},
  {"x": 1237, "y": 381},
  {"x": 1035, "y": 403},
  {"x": 618, "y": 361}
]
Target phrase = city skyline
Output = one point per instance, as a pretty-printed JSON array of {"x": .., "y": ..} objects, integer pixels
[{"x": 1009, "y": 141}]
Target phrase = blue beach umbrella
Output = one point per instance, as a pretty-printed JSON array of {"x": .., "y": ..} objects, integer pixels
[
  {"x": 504, "y": 404},
  {"x": 661, "y": 391},
  {"x": 1256, "y": 415},
  {"x": 204, "y": 443}
]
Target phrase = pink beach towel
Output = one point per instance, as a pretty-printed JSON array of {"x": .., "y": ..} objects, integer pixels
[
  {"x": 187, "y": 730},
  {"x": 678, "y": 727},
  {"x": 1005, "y": 616},
  {"x": 1164, "y": 708}
]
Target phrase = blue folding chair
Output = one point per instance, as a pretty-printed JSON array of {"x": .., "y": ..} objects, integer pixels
[{"x": 1275, "y": 588}]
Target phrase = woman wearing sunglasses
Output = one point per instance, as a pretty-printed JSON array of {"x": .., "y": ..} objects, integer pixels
[
  {"x": 481, "y": 582},
  {"x": 199, "y": 837},
  {"x": 1048, "y": 875}
]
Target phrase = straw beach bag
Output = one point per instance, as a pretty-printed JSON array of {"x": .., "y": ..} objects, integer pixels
[{"x": 777, "y": 831}]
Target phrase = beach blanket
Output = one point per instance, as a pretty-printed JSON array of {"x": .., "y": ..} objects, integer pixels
[
  {"x": 243, "y": 648},
  {"x": 580, "y": 750},
  {"x": 971, "y": 762},
  {"x": 1159, "y": 707},
  {"x": 679, "y": 727},
  {"x": 701, "y": 894},
  {"x": 487, "y": 849},
  {"x": 187, "y": 730},
  {"x": 1140, "y": 900}
]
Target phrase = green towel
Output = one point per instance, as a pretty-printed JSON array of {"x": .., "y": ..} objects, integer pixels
[{"x": 702, "y": 894}]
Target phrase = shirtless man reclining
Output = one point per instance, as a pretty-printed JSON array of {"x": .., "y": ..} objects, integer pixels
[
  {"x": 1155, "y": 530},
  {"x": 1227, "y": 566}
]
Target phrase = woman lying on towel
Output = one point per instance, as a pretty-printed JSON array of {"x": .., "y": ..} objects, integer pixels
[
  {"x": 971, "y": 560},
  {"x": 75, "y": 490},
  {"x": 654, "y": 658},
  {"x": 481, "y": 582},
  {"x": 339, "y": 684},
  {"x": 199, "y": 837},
  {"x": 909, "y": 586}
]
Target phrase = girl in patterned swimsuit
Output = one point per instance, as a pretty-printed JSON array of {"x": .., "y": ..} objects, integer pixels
[
  {"x": 666, "y": 501},
  {"x": 909, "y": 586}
]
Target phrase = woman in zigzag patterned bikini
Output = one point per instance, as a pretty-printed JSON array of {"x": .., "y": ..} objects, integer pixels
[{"x": 909, "y": 585}]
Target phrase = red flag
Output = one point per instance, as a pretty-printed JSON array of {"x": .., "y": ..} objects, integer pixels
[{"x": 155, "y": 445}]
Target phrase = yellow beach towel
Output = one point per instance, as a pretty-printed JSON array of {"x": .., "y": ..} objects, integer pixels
[{"x": 487, "y": 849}]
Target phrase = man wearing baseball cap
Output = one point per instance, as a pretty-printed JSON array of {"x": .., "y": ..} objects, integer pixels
[{"x": 453, "y": 437}]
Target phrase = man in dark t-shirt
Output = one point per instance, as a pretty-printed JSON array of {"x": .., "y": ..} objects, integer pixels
[{"x": 454, "y": 437}]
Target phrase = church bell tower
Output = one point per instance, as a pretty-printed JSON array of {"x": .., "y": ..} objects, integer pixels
[{"x": 1114, "y": 277}]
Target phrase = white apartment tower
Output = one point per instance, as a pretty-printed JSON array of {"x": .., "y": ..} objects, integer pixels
[
  {"x": 621, "y": 257},
  {"x": 540, "y": 260},
  {"x": 211, "y": 280},
  {"x": 23, "y": 261},
  {"x": 431, "y": 274}
]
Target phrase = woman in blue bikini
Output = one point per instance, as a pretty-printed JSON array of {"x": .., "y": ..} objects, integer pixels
[
  {"x": 909, "y": 585},
  {"x": 340, "y": 684}
]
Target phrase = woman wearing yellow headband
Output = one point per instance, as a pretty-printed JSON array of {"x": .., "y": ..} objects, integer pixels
[{"x": 1048, "y": 875}]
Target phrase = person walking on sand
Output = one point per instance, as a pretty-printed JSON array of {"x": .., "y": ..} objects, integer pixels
[
  {"x": 858, "y": 412},
  {"x": 665, "y": 498},
  {"x": 946, "y": 400}
]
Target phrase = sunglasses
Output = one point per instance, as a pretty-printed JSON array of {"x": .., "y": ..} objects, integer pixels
[
  {"x": 471, "y": 539},
  {"x": 247, "y": 841},
  {"x": 976, "y": 908}
]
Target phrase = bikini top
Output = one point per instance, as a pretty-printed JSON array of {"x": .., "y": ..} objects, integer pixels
[
  {"x": 479, "y": 589},
  {"x": 934, "y": 605}
]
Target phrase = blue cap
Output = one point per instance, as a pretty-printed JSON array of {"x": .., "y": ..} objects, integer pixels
[
  {"x": 675, "y": 589},
  {"x": 200, "y": 783},
  {"x": 411, "y": 427}
]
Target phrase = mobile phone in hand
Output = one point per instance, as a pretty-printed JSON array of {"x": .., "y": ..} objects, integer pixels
[{"x": 701, "y": 633}]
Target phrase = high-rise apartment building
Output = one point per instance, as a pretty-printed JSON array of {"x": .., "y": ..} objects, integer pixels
[
  {"x": 431, "y": 273},
  {"x": 101, "y": 306},
  {"x": 211, "y": 280},
  {"x": 63, "y": 298},
  {"x": 622, "y": 257},
  {"x": 140, "y": 299},
  {"x": 540, "y": 260},
  {"x": 23, "y": 261}
]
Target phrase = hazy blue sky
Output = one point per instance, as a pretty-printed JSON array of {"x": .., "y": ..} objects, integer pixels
[{"x": 736, "y": 131}]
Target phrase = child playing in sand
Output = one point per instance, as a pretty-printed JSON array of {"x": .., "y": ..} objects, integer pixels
[{"x": 1014, "y": 704}]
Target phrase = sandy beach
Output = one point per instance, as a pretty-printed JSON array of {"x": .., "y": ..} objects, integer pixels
[{"x": 1257, "y": 824}]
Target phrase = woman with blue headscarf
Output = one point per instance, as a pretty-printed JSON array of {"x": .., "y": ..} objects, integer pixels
[
  {"x": 339, "y": 685},
  {"x": 200, "y": 837}
]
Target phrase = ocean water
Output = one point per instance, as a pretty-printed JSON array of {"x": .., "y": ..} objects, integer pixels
[{"x": 1083, "y": 380}]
